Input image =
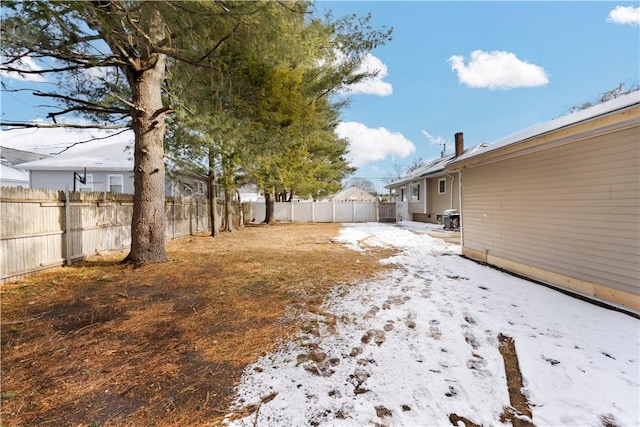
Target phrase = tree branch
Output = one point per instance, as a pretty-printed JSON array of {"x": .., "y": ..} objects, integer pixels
[
  {"x": 87, "y": 105},
  {"x": 93, "y": 139},
  {"x": 80, "y": 66},
  {"x": 124, "y": 101},
  {"x": 222, "y": 40},
  {"x": 60, "y": 125},
  {"x": 162, "y": 111}
]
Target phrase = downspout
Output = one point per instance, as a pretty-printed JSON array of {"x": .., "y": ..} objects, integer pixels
[
  {"x": 459, "y": 150},
  {"x": 460, "y": 202},
  {"x": 424, "y": 194},
  {"x": 453, "y": 180}
]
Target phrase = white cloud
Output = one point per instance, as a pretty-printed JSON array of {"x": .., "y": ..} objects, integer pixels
[
  {"x": 439, "y": 141},
  {"x": 375, "y": 85},
  {"x": 625, "y": 15},
  {"x": 26, "y": 64},
  {"x": 434, "y": 140},
  {"x": 497, "y": 70},
  {"x": 369, "y": 145},
  {"x": 101, "y": 73}
]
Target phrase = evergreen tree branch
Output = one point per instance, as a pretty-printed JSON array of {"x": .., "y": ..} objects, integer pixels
[{"x": 83, "y": 104}]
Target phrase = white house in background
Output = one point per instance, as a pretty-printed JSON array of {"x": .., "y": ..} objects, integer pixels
[
  {"x": 354, "y": 194},
  {"x": 250, "y": 193},
  {"x": 11, "y": 176},
  {"x": 101, "y": 166}
]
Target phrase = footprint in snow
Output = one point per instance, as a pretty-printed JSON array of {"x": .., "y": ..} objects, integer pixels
[
  {"x": 471, "y": 340},
  {"x": 372, "y": 312},
  {"x": 477, "y": 363},
  {"x": 375, "y": 334},
  {"x": 395, "y": 300},
  {"x": 470, "y": 320},
  {"x": 434, "y": 330}
]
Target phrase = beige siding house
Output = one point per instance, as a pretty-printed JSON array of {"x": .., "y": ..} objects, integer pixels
[{"x": 560, "y": 202}]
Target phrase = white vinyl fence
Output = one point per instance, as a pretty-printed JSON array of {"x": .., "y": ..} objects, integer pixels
[{"x": 317, "y": 212}]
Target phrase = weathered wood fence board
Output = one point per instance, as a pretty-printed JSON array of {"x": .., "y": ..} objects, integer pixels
[
  {"x": 387, "y": 212},
  {"x": 34, "y": 224}
]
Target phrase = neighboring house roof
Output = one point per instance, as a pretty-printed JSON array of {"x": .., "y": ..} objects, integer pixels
[
  {"x": 12, "y": 156},
  {"x": 94, "y": 151},
  {"x": 431, "y": 168},
  {"x": 9, "y": 157},
  {"x": 11, "y": 175},
  {"x": 606, "y": 108},
  {"x": 52, "y": 141},
  {"x": 93, "y": 155},
  {"x": 354, "y": 193}
]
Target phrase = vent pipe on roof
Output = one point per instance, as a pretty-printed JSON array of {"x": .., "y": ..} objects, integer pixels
[{"x": 459, "y": 143}]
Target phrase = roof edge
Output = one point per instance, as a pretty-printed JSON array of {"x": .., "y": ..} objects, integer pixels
[{"x": 615, "y": 115}]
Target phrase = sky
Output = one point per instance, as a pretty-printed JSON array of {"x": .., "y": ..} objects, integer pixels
[
  {"x": 420, "y": 342},
  {"x": 485, "y": 68}
]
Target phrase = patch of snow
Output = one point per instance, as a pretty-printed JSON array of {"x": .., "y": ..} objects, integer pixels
[{"x": 419, "y": 342}]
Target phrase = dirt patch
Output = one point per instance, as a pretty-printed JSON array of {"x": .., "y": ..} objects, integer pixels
[
  {"x": 519, "y": 413},
  {"x": 100, "y": 343}
]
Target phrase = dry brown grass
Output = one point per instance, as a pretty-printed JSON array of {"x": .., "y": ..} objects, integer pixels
[{"x": 101, "y": 343}]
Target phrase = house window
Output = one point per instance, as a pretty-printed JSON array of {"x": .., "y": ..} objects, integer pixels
[
  {"x": 198, "y": 188},
  {"x": 116, "y": 183},
  {"x": 403, "y": 195},
  {"x": 415, "y": 192},
  {"x": 442, "y": 186},
  {"x": 88, "y": 183}
]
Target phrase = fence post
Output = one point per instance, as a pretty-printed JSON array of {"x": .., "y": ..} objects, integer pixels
[
  {"x": 353, "y": 211},
  {"x": 173, "y": 219},
  {"x": 191, "y": 218},
  {"x": 67, "y": 225},
  {"x": 333, "y": 211}
]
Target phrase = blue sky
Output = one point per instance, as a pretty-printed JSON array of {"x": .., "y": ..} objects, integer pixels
[
  {"x": 487, "y": 69},
  {"x": 533, "y": 61}
]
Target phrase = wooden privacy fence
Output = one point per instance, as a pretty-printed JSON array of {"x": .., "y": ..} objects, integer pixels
[
  {"x": 387, "y": 212},
  {"x": 317, "y": 212},
  {"x": 40, "y": 229}
]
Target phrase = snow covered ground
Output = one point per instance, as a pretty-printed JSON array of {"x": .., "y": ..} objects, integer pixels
[{"x": 419, "y": 343}]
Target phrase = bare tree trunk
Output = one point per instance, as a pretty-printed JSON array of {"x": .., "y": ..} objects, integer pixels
[
  {"x": 213, "y": 201},
  {"x": 228, "y": 209},
  {"x": 148, "y": 221},
  {"x": 240, "y": 210},
  {"x": 269, "y": 209}
]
